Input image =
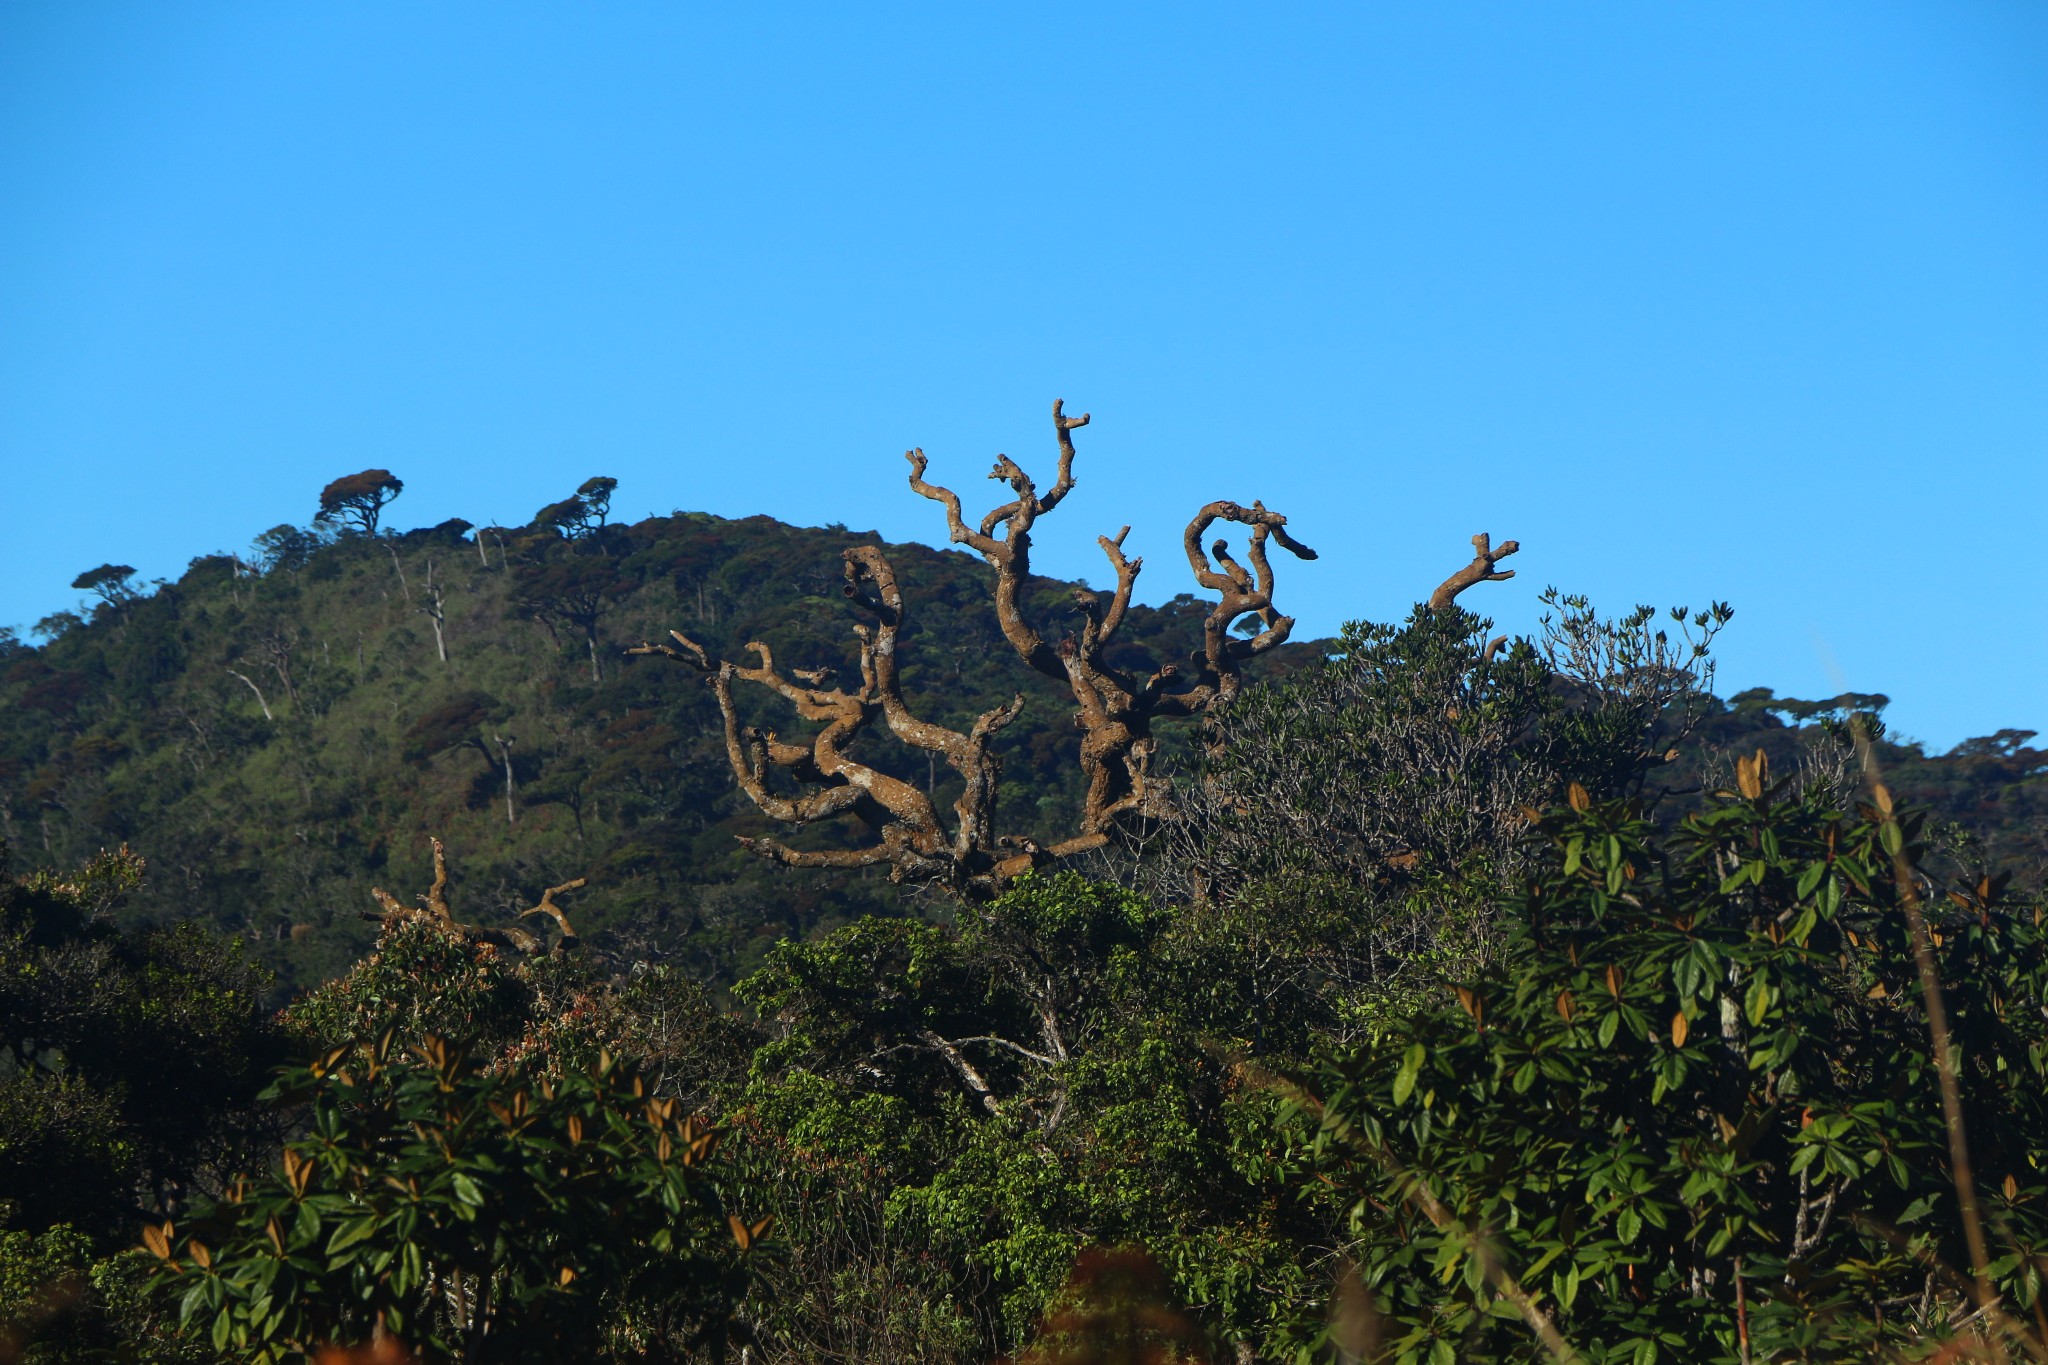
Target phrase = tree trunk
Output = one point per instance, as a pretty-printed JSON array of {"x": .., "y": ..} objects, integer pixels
[
  {"x": 258, "y": 691},
  {"x": 969, "y": 1077},
  {"x": 402, "y": 585},
  {"x": 505, "y": 753}
]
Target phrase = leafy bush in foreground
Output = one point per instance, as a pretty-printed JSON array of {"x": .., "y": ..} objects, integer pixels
[
  {"x": 1694, "y": 1114},
  {"x": 475, "y": 1215}
]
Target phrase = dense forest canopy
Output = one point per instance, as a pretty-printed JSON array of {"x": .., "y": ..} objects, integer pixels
[{"x": 398, "y": 949}]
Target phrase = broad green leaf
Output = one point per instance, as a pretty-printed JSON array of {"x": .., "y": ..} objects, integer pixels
[
  {"x": 1757, "y": 1001},
  {"x": 352, "y": 1232},
  {"x": 1411, "y": 1067}
]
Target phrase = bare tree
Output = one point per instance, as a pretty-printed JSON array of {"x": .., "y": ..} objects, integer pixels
[
  {"x": 1115, "y": 707},
  {"x": 433, "y": 907},
  {"x": 504, "y": 743},
  {"x": 250, "y": 683},
  {"x": 435, "y": 613}
]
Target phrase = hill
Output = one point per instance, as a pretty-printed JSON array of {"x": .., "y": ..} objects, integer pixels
[{"x": 276, "y": 737}]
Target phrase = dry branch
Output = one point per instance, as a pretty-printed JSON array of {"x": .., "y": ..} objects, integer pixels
[
  {"x": 1480, "y": 570},
  {"x": 1114, "y": 707},
  {"x": 433, "y": 907}
]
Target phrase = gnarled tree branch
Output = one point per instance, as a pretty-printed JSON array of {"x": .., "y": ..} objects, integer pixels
[
  {"x": 1480, "y": 570},
  {"x": 1114, "y": 708},
  {"x": 433, "y": 907}
]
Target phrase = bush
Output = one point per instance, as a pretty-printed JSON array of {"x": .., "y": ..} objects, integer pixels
[
  {"x": 1694, "y": 1112},
  {"x": 476, "y": 1215}
]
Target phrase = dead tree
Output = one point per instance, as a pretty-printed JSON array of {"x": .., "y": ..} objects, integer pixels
[
  {"x": 433, "y": 907},
  {"x": 1115, "y": 708},
  {"x": 435, "y": 610}
]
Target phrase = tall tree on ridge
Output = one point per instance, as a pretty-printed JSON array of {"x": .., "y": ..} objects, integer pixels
[{"x": 358, "y": 499}]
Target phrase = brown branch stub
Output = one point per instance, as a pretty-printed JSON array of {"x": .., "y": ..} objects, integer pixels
[
  {"x": 1480, "y": 570},
  {"x": 548, "y": 907},
  {"x": 690, "y": 653},
  {"x": 433, "y": 907},
  {"x": 436, "y": 898}
]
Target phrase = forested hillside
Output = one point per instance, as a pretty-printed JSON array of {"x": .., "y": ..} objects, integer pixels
[{"x": 277, "y": 733}]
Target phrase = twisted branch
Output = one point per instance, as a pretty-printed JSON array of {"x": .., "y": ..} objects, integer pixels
[
  {"x": 1480, "y": 570},
  {"x": 433, "y": 907},
  {"x": 1113, "y": 709}
]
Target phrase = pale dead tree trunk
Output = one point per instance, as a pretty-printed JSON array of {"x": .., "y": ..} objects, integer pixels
[
  {"x": 433, "y": 611},
  {"x": 392, "y": 550},
  {"x": 972, "y": 1078},
  {"x": 484, "y": 558},
  {"x": 251, "y": 684},
  {"x": 278, "y": 647},
  {"x": 1115, "y": 707},
  {"x": 504, "y": 743}
]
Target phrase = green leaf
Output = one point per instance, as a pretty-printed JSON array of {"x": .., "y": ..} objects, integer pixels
[
  {"x": 1918, "y": 1209},
  {"x": 1757, "y": 1001},
  {"x": 466, "y": 1190},
  {"x": 1411, "y": 1067},
  {"x": 348, "y": 1234},
  {"x": 223, "y": 1324}
]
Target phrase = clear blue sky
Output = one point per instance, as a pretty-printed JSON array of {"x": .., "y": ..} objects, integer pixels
[{"x": 1746, "y": 301}]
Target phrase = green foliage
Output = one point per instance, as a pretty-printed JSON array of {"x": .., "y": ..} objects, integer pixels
[
  {"x": 1695, "y": 1104},
  {"x": 1005, "y": 1092},
  {"x": 271, "y": 730},
  {"x": 128, "y": 1059},
  {"x": 1116, "y": 1309},
  {"x": 554, "y": 1013},
  {"x": 582, "y": 514},
  {"x": 61, "y": 1304},
  {"x": 1356, "y": 820},
  {"x": 110, "y": 581},
  {"x": 359, "y": 499},
  {"x": 486, "y": 1215},
  {"x": 944, "y": 1106}
]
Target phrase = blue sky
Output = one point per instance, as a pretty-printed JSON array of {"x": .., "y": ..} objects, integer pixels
[{"x": 1736, "y": 301}]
